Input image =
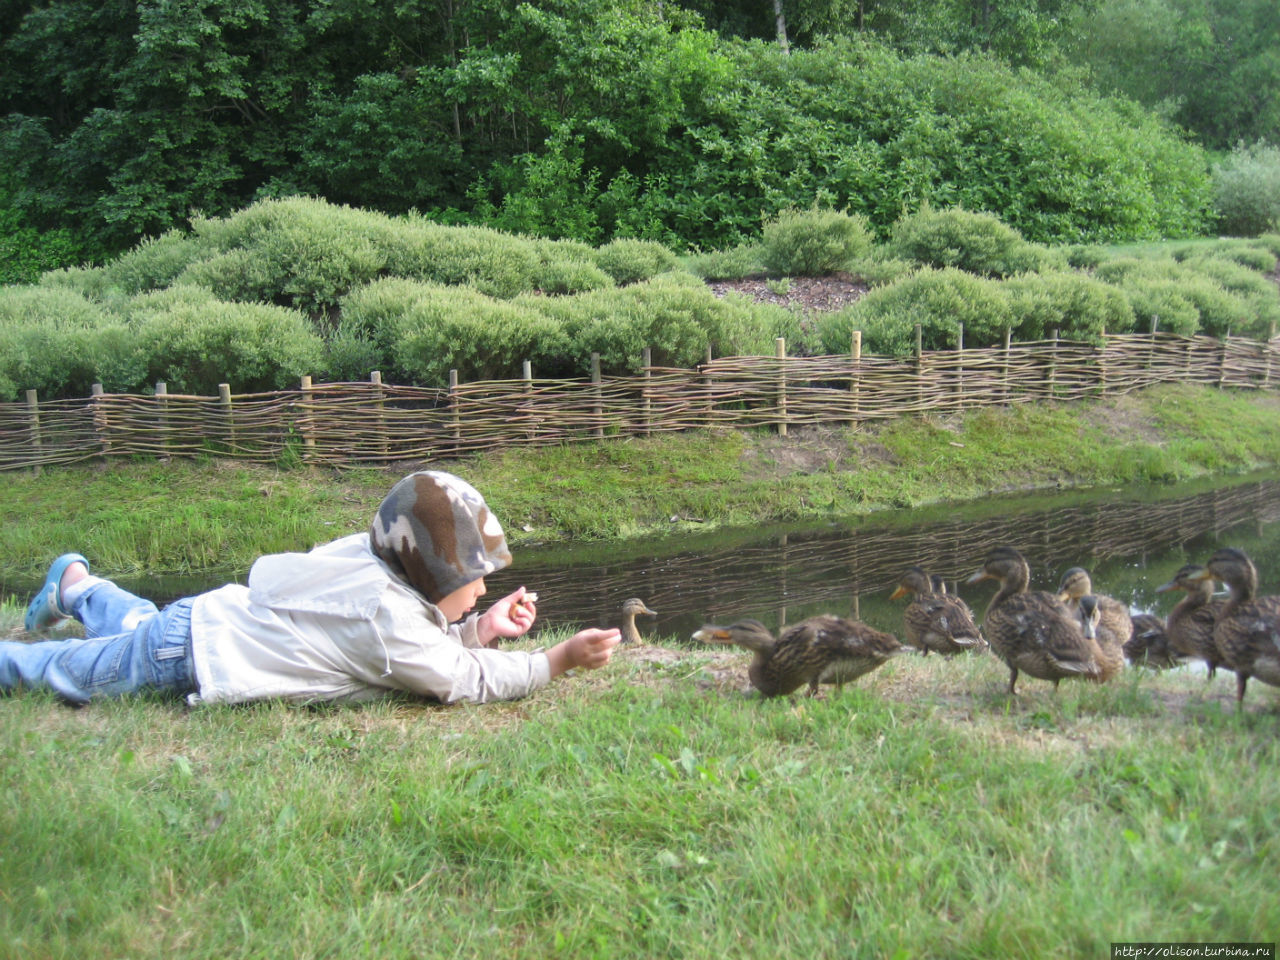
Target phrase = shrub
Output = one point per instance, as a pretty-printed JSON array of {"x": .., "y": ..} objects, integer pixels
[
  {"x": 814, "y": 242},
  {"x": 1246, "y": 190},
  {"x": 974, "y": 242},
  {"x": 193, "y": 342},
  {"x": 417, "y": 332},
  {"x": 1223, "y": 294},
  {"x": 46, "y": 343},
  {"x": 571, "y": 276},
  {"x": 1077, "y": 306},
  {"x": 938, "y": 300},
  {"x": 742, "y": 260},
  {"x": 630, "y": 261},
  {"x": 675, "y": 315},
  {"x": 495, "y": 263},
  {"x": 153, "y": 263}
]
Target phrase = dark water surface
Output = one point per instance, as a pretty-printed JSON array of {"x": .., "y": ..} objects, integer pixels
[{"x": 1131, "y": 540}]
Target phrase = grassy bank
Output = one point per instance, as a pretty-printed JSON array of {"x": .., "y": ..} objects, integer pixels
[
  {"x": 211, "y": 516},
  {"x": 650, "y": 809}
]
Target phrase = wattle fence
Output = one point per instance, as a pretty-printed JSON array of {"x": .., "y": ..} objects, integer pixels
[{"x": 371, "y": 423}]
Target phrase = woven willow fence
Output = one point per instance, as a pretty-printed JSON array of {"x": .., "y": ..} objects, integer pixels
[{"x": 374, "y": 423}]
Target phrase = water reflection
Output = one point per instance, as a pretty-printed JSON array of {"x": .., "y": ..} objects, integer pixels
[{"x": 1131, "y": 541}]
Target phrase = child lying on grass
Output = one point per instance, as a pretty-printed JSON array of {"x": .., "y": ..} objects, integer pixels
[{"x": 352, "y": 619}]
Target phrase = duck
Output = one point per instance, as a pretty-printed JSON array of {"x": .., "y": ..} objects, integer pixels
[
  {"x": 1247, "y": 628},
  {"x": 1033, "y": 631},
  {"x": 1189, "y": 624},
  {"x": 632, "y": 608},
  {"x": 1148, "y": 646},
  {"x": 819, "y": 649},
  {"x": 934, "y": 619},
  {"x": 1113, "y": 627}
]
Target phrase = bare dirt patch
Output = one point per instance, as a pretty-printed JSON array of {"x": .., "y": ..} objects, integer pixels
[{"x": 808, "y": 295}]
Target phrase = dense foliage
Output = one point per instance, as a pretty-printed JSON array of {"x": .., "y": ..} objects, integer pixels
[{"x": 589, "y": 120}]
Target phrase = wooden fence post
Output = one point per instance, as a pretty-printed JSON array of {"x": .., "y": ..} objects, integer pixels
[
  {"x": 162, "y": 403},
  {"x": 1222, "y": 359},
  {"x": 919, "y": 348},
  {"x": 33, "y": 420},
  {"x": 526, "y": 374},
  {"x": 855, "y": 381},
  {"x": 780, "y": 352},
  {"x": 306, "y": 425},
  {"x": 1102, "y": 365},
  {"x": 646, "y": 404},
  {"x": 1151, "y": 344},
  {"x": 1008, "y": 337},
  {"x": 228, "y": 415},
  {"x": 1271, "y": 336},
  {"x": 100, "y": 425},
  {"x": 960, "y": 364},
  {"x": 379, "y": 413},
  {"x": 708, "y": 386},
  {"x": 597, "y": 400},
  {"x": 1053, "y": 363},
  {"x": 455, "y": 421}
]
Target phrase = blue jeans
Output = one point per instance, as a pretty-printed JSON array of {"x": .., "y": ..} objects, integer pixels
[{"x": 129, "y": 646}]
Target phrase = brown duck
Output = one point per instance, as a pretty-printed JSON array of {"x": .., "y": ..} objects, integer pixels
[
  {"x": 631, "y": 609},
  {"x": 1149, "y": 645},
  {"x": 934, "y": 619},
  {"x": 821, "y": 649},
  {"x": 1190, "y": 623},
  {"x": 1033, "y": 631},
  {"x": 1112, "y": 628},
  {"x": 1247, "y": 630}
]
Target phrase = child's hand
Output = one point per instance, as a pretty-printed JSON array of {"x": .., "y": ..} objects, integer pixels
[
  {"x": 512, "y": 616},
  {"x": 588, "y": 648}
]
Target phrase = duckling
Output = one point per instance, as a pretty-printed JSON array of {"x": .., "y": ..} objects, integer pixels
[
  {"x": 821, "y": 649},
  {"x": 1113, "y": 627},
  {"x": 1190, "y": 623},
  {"x": 934, "y": 619},
  {"x": 1033, "y": 631},
  {"x": 1149, "y": 645},
  {"x": 630, "y": 610},
  {"x": 1247, "y": 630}
]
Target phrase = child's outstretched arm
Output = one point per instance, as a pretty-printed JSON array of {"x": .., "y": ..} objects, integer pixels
[{"x": 588, "y": 648}]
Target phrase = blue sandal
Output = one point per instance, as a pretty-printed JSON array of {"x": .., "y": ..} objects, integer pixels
[{"x": 45, "y": 608}]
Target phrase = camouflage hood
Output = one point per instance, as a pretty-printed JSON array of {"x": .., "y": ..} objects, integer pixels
[{"x": 436, "y": 533}]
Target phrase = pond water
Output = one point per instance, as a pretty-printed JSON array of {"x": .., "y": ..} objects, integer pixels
[{"x": 1131, "y": 539}]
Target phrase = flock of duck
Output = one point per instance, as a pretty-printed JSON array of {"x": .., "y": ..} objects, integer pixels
[{"x": 1071, "y": 633}]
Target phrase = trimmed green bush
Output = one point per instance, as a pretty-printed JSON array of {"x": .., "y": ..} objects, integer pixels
[
  {"x": 417, "y": 332},
  {"x": 731, "y": 264},
  {"x": 153, "y": 264},
  {"x": 938, "y": 300},
  {"x": 1079, "y": 307},
  {"x": 674, "y": 314},
  {"x": 630, "y": 261},
  {"x": 814, "y": 242},
  {"x": 46, "y": 342},
  {"x": 193, "y": 342},
  {"x": 1246, "y": 190},
  {"x": 974, "y": 242}
]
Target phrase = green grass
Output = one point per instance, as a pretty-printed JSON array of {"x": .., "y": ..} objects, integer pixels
[
  {"x": 213, "y": 517},
  {"x": 649, "y": 809}
]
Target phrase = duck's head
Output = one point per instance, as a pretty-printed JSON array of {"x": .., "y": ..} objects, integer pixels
[
  {"x": 914, "y": 580},
  {"x": 1234, "y": 568},
  {"x": 748, "y": 633},
  {"x": 1075, "y": 584},
  {"x": 634, "y": 607},
  {"x": 1004, "y": 564},
  {"x": 1089, "y": 615},
  {"x": 1191, "y": 577}
]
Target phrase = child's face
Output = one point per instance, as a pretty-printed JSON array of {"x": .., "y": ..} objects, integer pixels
[{"x": 456, "y": 605}]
